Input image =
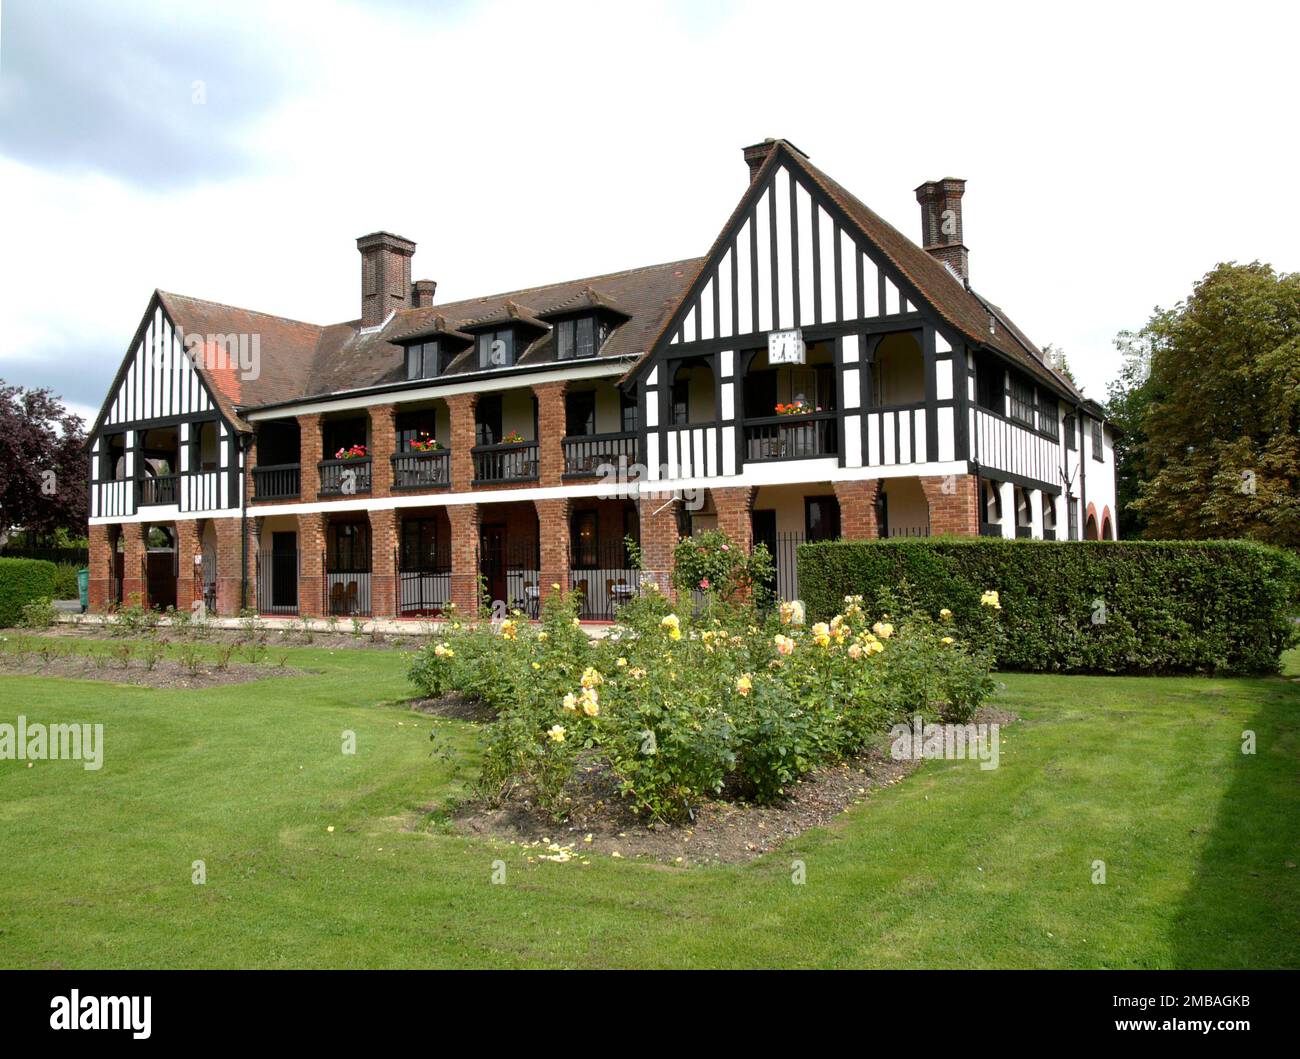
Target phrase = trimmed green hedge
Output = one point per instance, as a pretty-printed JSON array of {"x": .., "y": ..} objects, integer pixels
[
  {"x": 21, "y": 581},
  {"x": 1168, "y": 606}
]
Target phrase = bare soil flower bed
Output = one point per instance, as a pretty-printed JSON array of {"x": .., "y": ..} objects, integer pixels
[
  {"x": 332, "y": 641},
  {"x": 721, "y": 831},
  {"x": 165, "y": 673}
]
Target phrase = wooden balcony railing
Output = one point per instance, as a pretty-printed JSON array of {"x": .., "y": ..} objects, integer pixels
[
  {"x": 512, "y": 462},
  {"x": 159, "y": 489},
  {"x": 277, "y": 481},
  {"x": 422, "y": 470},
  {"x": 592, "y": 455},
  {"x": 791, "y": 437},
  {"x": 344, "y": 477}
]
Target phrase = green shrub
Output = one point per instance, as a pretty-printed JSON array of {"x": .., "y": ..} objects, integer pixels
[
  {"x": 1085, "y": 607},
  {"x": 38, "y": 614},
  {"x": 65, "y": 581},
  {"x": 23, "y": 581}
]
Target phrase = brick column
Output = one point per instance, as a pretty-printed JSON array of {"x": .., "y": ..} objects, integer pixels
[
  {"x": 550, "y": 432},
  {"x": 461, "y": 410},
  {"x": 250, "y": 464},
  {"x": 858, "y": 509},
  {"x": 553, "y": 539},
  {"x": 735, "y": 506},
  {"x": 954, "y": 504},
  {"x": 135, "y": 587},
  {"x": 309, "y": 455},
  {"x": 101, "y": 566},
  {"x": 311, "y": 565},
  {"x": 384, "y": 531},
  {"x": 383, "y": 443},
  {"x": 189, "y": 575},
  {"x": 464, "y": 557},
  {"x": 659, "y": 536},
  {"x": 229, "y": 566}
]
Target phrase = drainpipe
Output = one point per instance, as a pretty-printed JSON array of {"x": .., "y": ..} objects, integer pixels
[
  {"x": 245, "y": 444},
  {"x": 1083, "y": 474}
]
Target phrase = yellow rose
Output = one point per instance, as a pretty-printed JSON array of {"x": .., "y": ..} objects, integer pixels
[
  {"x": 556, "y": 733},
  {"x": 947, "y": 639},
  {"x": 990, "y": 599},
  {"x": 744, "y": 684},
  {"x": 945, "y": 614},
  {"x": 883, "y": 629}
]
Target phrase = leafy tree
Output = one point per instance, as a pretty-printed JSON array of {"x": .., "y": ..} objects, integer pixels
[
  {"x": 1218, "y": 445},
  {"x": 1128, "y": 400},
  {"x": 42, "y": 465},
  {"x": 1055, "y": 357}
]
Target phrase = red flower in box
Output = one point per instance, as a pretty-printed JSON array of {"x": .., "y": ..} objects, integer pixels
[
  {"x": 424, "y": 443},
  {"x": 353, "y": 452}
]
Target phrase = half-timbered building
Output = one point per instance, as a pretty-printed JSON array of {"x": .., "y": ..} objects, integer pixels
[{"x": 815, "y": 374}]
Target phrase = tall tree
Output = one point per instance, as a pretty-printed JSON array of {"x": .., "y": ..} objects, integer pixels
[
  {"x": 42, "y": 465},
  {"x": 1128, "y": 400},
  {"x": 1220, "y": 410}
]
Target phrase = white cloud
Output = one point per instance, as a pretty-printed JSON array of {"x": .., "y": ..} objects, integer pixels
[{"x": 1113, "y": 155}]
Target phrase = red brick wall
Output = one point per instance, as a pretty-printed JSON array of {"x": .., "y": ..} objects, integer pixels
[
  {"x": 309, "y": 455},
  {"x": 461, "y": 409},
  {"x": 383, "y": 443},
  {"x": 553, "y": 537},
  {"x": 101, "y": 565},
  {"x": 954, "y": 504},
  {"x": 134, "y": 585},
  {"x": 735, "y": 506},
  {"x": 858, "y": 509},
  {"x": 550, "y": 431},
  {"x": 229, "y": 566},
  {"x": 383, "y": 565},
  {"x": 311, "y": 564},
  {"x": 659, "y": 537},
  {"x": 464, "y": 521},
  {"x": 189, "y": 575}
]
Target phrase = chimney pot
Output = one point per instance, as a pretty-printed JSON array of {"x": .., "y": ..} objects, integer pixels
[
  {"x": 941, "y": 229},
  {"x": 422, "y": 292},
  {"x": 385, "y": 275}
]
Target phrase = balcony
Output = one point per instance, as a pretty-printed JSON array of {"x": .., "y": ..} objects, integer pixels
[
  {"x": 159, "y": 489},
  {"x": 280, "y": 481},
  {"x": 798, "y": 437},
  {"x": 587, "y": 455},
  {"x": 422, "y": 470},
  {"x": 512, "y": 462},
  {"x": 345, "y": 477}
]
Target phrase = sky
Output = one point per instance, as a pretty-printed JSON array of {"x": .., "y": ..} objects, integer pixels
[{"x": 1113, "y": 153}]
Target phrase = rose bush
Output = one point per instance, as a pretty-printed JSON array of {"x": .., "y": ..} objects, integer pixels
[{"x": 684, "y": 703}]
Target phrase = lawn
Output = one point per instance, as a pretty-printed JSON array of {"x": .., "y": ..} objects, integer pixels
[{"x": 953, "y": 867}]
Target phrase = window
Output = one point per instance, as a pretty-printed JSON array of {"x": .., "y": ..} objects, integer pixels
[
  {"x": 760, "y": 394},
  {"x": 351, "y": 548},
  {"x": 821, "y": 518},
  {"x": 580, "y": 413},
  {"x": 424, "y": 360},
  {"x": 1098, "y": 443},
  {"x": 205, "y": 452},
  {"x": 628, "y": 409},
  {"x": 415, "y": 425},
  {"x": 1072, "y": 517},
  {"x": 583, "y": 542},
  {"x": 990, "y": 386},
  {"x": 420, "y": 544},
  {"x": 1022, "y": 400},
  {"x": 487, "y": 420},
  {"x": 112, "y": 458},
  {"x": 581, "y": 336},
  {"x": 1070, "y": 441},
  {"x": 1049, "y": 415},
  {"x": 681, "y": 392},
  {"x": 496, "y": 349}
]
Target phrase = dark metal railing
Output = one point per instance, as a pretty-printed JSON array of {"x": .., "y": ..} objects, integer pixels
[
  {"x": 277, "y": 582},
  {"x": 586, "y": 455},
  {"x": 512, "y": 462},
  {"x": 1049, "y": 534},
  {"x": 344, "y": 477},
  {"x": 277, "y": 481},
  {"x": 422, "y": 470},
  {"x": 159, "y": 489},
  {"x": 1024, "y": 531},
  {"x": 791, "y": 437},
  {"x": 605, "y": 579},
  {"x": 347, "y": 592},
  {"x": 990, "y": 529}
]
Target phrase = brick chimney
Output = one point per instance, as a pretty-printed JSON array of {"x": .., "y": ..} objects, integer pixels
[
  {"x": 422, "y": 292},
  {"x": 756, "y": 154},
  {"x": 385, "y": 275},
  {"x": 941, "y": 222}
]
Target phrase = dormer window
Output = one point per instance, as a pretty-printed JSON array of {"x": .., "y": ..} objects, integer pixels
[
  {"x": 580, "y": 336},
  {"x": 426, "y": 360},
  {"x": 496, "y": 349}
]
